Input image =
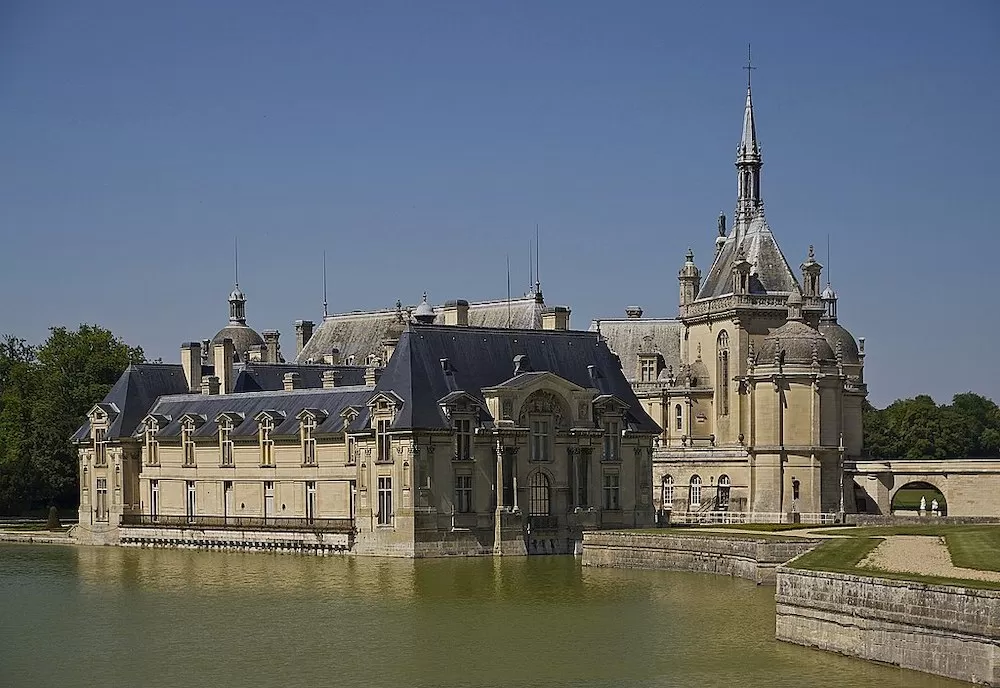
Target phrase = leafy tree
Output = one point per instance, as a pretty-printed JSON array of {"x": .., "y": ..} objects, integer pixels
[{"x": 919, "y": 428}]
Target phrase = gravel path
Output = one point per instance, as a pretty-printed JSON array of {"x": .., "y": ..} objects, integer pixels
[{"x": 920, "y": 554}]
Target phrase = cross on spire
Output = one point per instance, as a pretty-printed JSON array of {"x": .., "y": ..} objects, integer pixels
[{"x": 749, "y": 66}]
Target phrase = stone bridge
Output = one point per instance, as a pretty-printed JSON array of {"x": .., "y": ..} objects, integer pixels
[{"x": 971, "y": 487}]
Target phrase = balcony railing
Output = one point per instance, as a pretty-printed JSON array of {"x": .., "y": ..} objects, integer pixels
[
  {"x": 326, "y": 525},
  {"x": 536, "y": 523}
]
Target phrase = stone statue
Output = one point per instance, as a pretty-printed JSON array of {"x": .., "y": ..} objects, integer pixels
[
  {"x": 923, "y": 504},
  {"x": 934, "y": 506}
]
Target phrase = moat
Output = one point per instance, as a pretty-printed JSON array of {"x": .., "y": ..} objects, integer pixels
[{"x": 83, "y": 616}]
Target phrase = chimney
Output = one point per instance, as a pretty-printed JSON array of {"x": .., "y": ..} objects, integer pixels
[
  {"x": 555, "y": 318},
  {"x": 271, "y": 342},
  {"x": 331, "y": 379},
  {"x": 209, "y": 385},
  {"x": 223, "y": 357},
  {"x": 191, "y": 363},
  {"x": 206, "y": 351},
  {"x": 292, "y": 381},
  {"x": 372, "y": 375},
  {"x": 456, "y": 313},
  {"x": 332, "y": 358},
  {"x": 303, "y": 333},
  {"x": 633, "y": 312}
]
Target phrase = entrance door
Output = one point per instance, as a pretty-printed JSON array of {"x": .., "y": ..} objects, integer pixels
[{"x": 268, "y": 499}]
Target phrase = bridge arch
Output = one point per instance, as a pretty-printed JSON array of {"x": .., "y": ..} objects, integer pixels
[{"x": 906, "y": 498}]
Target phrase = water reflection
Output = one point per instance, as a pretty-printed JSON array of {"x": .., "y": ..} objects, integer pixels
[{"x": 114, "y": 616}]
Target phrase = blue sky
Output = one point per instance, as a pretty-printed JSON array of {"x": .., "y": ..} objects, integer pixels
[{"x": 419, "y": 143}]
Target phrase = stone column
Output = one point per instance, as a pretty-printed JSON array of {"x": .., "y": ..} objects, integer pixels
[{"x": 497, "y": 533}]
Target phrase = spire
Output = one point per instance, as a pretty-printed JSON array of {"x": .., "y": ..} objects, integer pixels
[
  {"x": 538, "y": 270},
  {"x": 325, "y": 311},
  {"x": 237, "y": 300},
  {"x": 748, "y": 162}
]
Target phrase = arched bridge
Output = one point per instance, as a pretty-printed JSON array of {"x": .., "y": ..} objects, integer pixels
[{"x": 970, "y": 487}]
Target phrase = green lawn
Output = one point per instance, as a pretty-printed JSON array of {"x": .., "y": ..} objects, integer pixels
[{"x": 909, "y": 498}]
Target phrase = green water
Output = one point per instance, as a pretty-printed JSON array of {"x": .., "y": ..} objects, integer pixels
[{"x": 105, "y": 616}]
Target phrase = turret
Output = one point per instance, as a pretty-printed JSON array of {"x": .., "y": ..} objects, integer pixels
[
  {"x": 811, "y": 271},
  {"x": 689, "y": 278}
]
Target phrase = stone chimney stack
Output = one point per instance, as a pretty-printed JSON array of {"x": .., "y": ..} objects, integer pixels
[
  {"x": 555, "y": 318},
  {"x": 271, "y": 342},
  {"x": 633, "y": 312},
  {"x": 332, "y": 358},
  {"x": 292, "y": 381},
  {"x": 223, "y": 357},
  {"x": 331, "y": 379},
  {"x": 372, "y": 375},
  {"x": 191, "y": 363},
  {"x": 303, "y": 333},
  {"x": 456, "y": 313},
  {"x": 209, "y": 385}
]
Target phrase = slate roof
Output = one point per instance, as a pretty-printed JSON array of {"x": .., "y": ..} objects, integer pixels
[
  {"x": 481, "y": 358},
  {"x": 134, "y": 393},
  {"x": 361, "y": 334},
  {"x": 261, "y": 377},
  {"x": 770, "y": 273},
  {"x": 627, "y": 337}
]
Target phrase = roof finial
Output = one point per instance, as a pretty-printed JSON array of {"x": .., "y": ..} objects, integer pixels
[
  {"x": 325, "y": 312},
  {"x": 749, "y": 66},
  {"x": 236, "y": 257},
  {"x": 538, "y": 269}
]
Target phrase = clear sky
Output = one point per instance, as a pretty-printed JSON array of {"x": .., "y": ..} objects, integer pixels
[{"x": 419, "y": 143}]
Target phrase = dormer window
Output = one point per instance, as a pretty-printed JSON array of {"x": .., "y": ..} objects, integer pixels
[
  {"x": 463, "y": 439},
  {"x": 265, "y": 429},
  {"x": 152, "y": 446},
  {"x": 540, "y": 440},
  {"x": 226, "y": 442},
  {"x": 308, "y": 429},
  {"x": 647, "y": 369},
  {"x": 187, "y": 443},
  {"x": 100, "y": 447},
  {"x": 612, "y": 440}
]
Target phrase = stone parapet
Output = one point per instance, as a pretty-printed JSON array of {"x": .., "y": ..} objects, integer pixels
[
  {"x": 945, "y": 630},
  {"x": 240, "y": 540}
]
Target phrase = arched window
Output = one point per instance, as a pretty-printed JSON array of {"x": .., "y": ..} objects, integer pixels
[
  {"x": 538, "y": 494},
  {"x": 667, "y": 492},
  {"x": 678, "y": 417},
  {"x": 695, "y": 491},
  {"x": 723, "y": 373},
  {"x": 722, "y": 499},
  {"x": 795, "y": 489}
]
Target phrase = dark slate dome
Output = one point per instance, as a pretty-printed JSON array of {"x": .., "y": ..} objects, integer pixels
[
  {"x": 243, "y": 338},
  {"x": 798, "y": 341},
  {"x": 834, "y": 333}
]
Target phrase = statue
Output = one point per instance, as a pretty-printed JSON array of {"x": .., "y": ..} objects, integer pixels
[
  {"x": 934, "y": 507},
  {"x": 923, "y": 504}
]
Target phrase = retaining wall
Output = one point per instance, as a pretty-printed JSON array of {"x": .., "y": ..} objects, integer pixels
[
  {"x": 944, "y": 630},
  {"x": 753, "y": 558}
]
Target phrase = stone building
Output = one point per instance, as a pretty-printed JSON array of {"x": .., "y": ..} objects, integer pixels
[
  {"x": 756, "y": 385},
  {"x": 457, "y": 435}
]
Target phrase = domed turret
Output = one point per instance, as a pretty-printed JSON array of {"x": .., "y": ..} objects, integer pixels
[
  {"x": 834, "y": 333},
  {"x": 243, "y": 336},
  {"x": 424, "y": 314},
  {"x": 795, "y": 342}
]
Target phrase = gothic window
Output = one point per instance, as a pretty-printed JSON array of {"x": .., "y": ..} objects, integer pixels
[
  {"x": 226, "y": 442},
  {"x": 678, "y": 417},
  {"x": 612, "y": 440},
  {"x": 722, "y": 501},
  {"x": 463, "y": 439},
  {"x": 538, "y": 495},
  {"x": 667, "y": 491},
  {"x": 100, "y": 447},
  {"x": 187, "y": 443},
  {"x": 266, "y": 443},
  {"x": 694, "y": 498},
  {"x": 723, "y": 373},
  {"x": 307, "y": 430}
]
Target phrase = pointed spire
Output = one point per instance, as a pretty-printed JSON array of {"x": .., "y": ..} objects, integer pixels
[
  {"x": 748, "y": 163},
  {"x": 748, "y": 142},
  {"x": 237, "y": 300},
  {"x": 326, "y": 313}
]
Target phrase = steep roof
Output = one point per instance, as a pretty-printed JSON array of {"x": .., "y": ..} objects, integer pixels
[
  {"x": 770, "y": 271},
  {"x": 629, "y": 336},
  {"x": 134, "y": 393},
  {"x": 360, "y": 334},
  {"x": 481, "y": 358}
]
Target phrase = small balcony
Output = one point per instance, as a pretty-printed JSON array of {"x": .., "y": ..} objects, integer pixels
[
  {"x": 325, "y": 525},
  {"x": 537, "y": 523}
]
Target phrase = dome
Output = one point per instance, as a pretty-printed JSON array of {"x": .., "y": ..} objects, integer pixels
[
  {"x": 798, "y": 341},
  {"x": 243, "y": 338},
  {"x": 834, "y": 333},
  {"x": 828, "y": 294},
  {"x": 237, "y": 295},
  {"x": 424, "y": 313}
]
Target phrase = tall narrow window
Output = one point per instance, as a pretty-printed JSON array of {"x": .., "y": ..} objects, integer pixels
[
  {"x": 612, "y": 440},
  {"x": 667, "y": 492},
  {"x": 352, "y": 451},
  {"x": 226, "y": 442},
  {"x": 694, "y": 497},
  {"x": 308, "y": 441},
  {"x": 539, "y": 495},
  {"x": 795, "y": 489},
  {"x": 463, "y": 493},
  {"x": 310, "y": 501},
  {"x": 101, "y": 503},
  {"x": 266, "y": 443},
  {"x": 187, "y": 443},
  {"x": 227, "y": 498},
  {"x": 268, "y": 498},
  {"x": 612, "y": 492},
  {"x": 583, "y": 479},
  {"x": 723, "y": 498},
  {"x": 152, "y": 446},
  {"x": 539, "y": 440},
  {"x": 382, "y": 440},
  {"x": 154, "y": 499},
  {"x": 678, "y": 417},
  {"x": 463, "y": 439},
  {"x": 190, "y": 504},
  {"x": 723, "y": 373},
  {"x": 100, "y": 447},
  {"x": 384, "y": 500}
]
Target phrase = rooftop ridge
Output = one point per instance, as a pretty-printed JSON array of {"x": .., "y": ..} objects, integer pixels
[{"x": 309, "y": 391}]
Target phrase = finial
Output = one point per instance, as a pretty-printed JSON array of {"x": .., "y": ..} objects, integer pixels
[
  {"x": 749, "y": 66},
  {"x": 236, "y": 258},
  {"x": 722, "y": 224},
  {"x": 690, "y": 255},
  {"x": 812, "y": 254},
  {"x": 325, "y": 312},
  {"x": 425, "y": 296}
]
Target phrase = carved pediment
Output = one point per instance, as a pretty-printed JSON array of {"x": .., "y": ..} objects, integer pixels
[{"x": 544, "y": 402}]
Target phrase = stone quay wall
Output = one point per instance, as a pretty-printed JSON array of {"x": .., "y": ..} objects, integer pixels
[
  {"x": 235, "y": 540},
  {"x": 915, "y": 520},
  {"x": 745, "y": 557},
  {"x": 938, "y": 629}
]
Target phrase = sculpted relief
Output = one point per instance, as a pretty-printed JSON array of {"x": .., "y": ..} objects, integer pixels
[{"x": 545, "y": 402}]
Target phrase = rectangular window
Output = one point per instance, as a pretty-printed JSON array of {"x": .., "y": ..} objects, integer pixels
[
  {"x": 539, "y": 440},
  {"x": 648, "y": 370},
  {"x": 100, "y": 447},
  {"x": 463, "y": 439},
  {"x": 227, "y": 498},
  {"x": 268, "y": 498},
  {"x": 612, "y": 492},
  {"x": 308, "y": 442},
  {"x": 154, "y": 499},
  {"x": 187, "y": 441},
  {"x": 190, "y": 504},
  {"x": 101, "y": 503},
  {"x": 152, "y": 447},
  {"x": 583, "y": 479},
  {"x": 310, "y": 501},
  {"x": 352, "y": 451},
  {"x": 382, "y": 440},
  {"x": 384, "y": 500},
  {"x": 226, "y": 444},
  {"x": 612, "y": 441},
  {"x": 463, "y": 493},
  {"x": 266, "y": 443}
]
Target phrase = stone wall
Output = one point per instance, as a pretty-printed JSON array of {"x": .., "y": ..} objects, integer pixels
[
  {"x": 916, "y": 520},
  {"x": 944, "y": 630},
  {"x": 753, "y": 558},
  {"x": 306, "y": 542}
]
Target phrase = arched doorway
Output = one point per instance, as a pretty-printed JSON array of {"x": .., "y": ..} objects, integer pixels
[{"x": 919, "y": 497}]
